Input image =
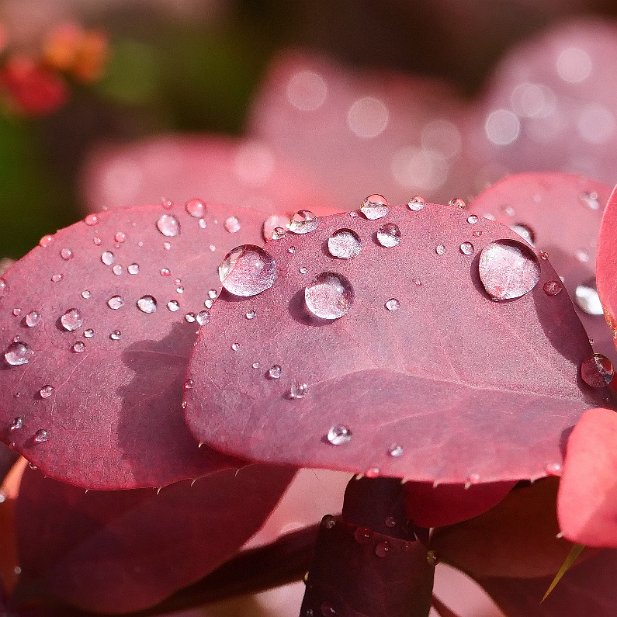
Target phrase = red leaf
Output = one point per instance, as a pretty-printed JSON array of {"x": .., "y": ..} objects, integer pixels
[
  {"x": 607, "y": 263},
  {"x": 111, "y": 413},
  {"x": 586, "y": 589},
  {"x": 588, "y": 492},
  {"x": 450, "y": 387},
  {"x": 244, "y": 173},
  {"x": 123, "y": 551},
  {"x": 446, "y": 504},
  {"x": 562, "y": 214}
]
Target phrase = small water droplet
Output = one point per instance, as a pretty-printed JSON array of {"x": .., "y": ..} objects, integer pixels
[
  {"x": 508, "y": 269},
  {"x": 416, "y": 203},
  {"x": 213, "y": 294},
  {"x": 390, "y": 522},
  {"x": 202, "y": 223},
  {"x": 587, "y": 299},
  {"x": 71, "y": 320},
  {"x": 472, "y": 219},
  {"x": 597, "y": 371},
  {"x": 235, "y": 346},
  {"x": 251, "y": 315},
  {"x": 303, "y": 222},
  {"x": 298, "y": 390},
  {"x": 372, "y": 472},
  {"x": 232, "y": 224},
  {"x": 208, "y": 303},
  {"x": 457, "y": 202},
  {"x": 173, "y": 305},
  {"x": 32, "y": 319},
  {"x": 16, "y": 312},
  {"x": 329, "y": 296},
  {"x": 247, "y": 270},
  {"x": 46, "y": 391},
  {"x": 167, "y": 245},
  {"x": 472, "y": 478},
  {"x": 16, "y": 424},
  {"x": 395, "y": 451},
  {"x": 117, "y": 269},
  {"x": 374, "y": 207},
  {"x": 115, "y": 302},
  {"x": 97, "y": 241},
  {"x": 41, "y": 436},
  {"x": 86, "y": 294},
  {"x": 339, "y": 435},
  {"x": 389, "y": 235},
  {"x": 189, "y": 384},
  {"x": 147, "y": 304},
  {"x": 168, "y": 225},
  {"x": 508, "y": 210},
  {"x": 56, "y": 278},
  {"x": 466, "y": 248},
  {"x": 89, "y": 333},
  {"x": 116, "y": 335},
  {"x": 202, "y": 318},
  {"x": 278, "y": 233},
  {"x": 440, "y": 249},
  {"x": 79, "y": 347},
  {"x": 382, "y": 549},
  {"x": 91, "y": 220},
  {"x": 165, "y": 272},
  {"x": 66, "y": 254},
  {"x": 525, "y": 232},
  {"x": 553, "y": 469},
  {"x": 255, "y": 365},
  {"x": 180, "y": 289},
  {"x": 344, "y": 244},
  {"x": 120, "y": 237},
  {"x": 190, "y": 317},
  {"x": 328, "y": 521},
  {"x": 45, "y": 241},
  {"x": 291, "y": 250},
  {"x": 393, "y": 304},
  {"x": 195, "y": 207},
  {"x": 363, "y": 535},
  {"x": 552, "y": 288},
  {"x": 274, "y": 372},
  {"x": 133, "y": 269},
  {"x": 107, "y": 257},
  {"x": 590, "y": 200},
  {"x": 302, "y": 270}
]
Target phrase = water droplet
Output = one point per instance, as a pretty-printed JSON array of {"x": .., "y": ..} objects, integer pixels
[
  {"x": 389, "y": 235},
  {"x": 552, "y": 288},
  {"x": 302, "y": 270},
  {"x": 213, "y": 294},
  {"x": 303, "y": 222},
  {"x": 525, "y": 232},
  {"x": 117, "y": 269},
  {"x": 72, "y": 320},
  {"x": 41, "y": 436},
  {"x": 508, "y": 269},
  {"x": 116, "y": 335},
  {"x": 91, "y": 220},
  {"x": 298, "y": 390},
  {"x": 374, "y": 207},
  {"x": 208, "y": 303},
  {"x": 553, "y": 469},
  {"x": 16, "y": 312},
  {"x": 382, "y": 549},
  {"x": 107, "y": 257},
  {"x": 590, "y": 200},
  {"x": 508, "y": 210},
  {"x": 173, "y": 305},
  {"x": 390, "y": 522},
  {"x": 86, "y": 294},
  {"x": 247, "y": 270},
  {"x": 202, "y": 223},
  {"x": 587, "y": 299},
  {"x": 291, "y": 250},
  {"x": 46, "y": 391},
  {"x": 79, "y": 347},
  {"x": 251, "y": 315},
  {"x": 274, "y": 372},
  {"x": 339, "y": 435},
  {"x": 120, "y": 237},
  {"x": 344, "y": 244},
  {"x": 278, "y": 233},
  {"x": 597, "y": 371},
  {"x": 440, "y": 249},
  {"x": 190, "y": 317},
  {"x": 17, "y": 424},
  {"x": 431, "y": 558},
  {"x": 89, "y": 333},
  {"x": 232, "y": 224},
  {"x": 202, "y": 318},
  {"x": 235, "y": 346},
  {"x": 32, "y": 319},
  {"x": 466, "y": 248},
  {"x": 196, "y": 208},
  {"x": 395, "y": 450},
  {"x": 416, "y": 203},
  {"x": 393, "y": 304},
  {"x": 457, "y": 202},
  {"x": 255, "y": 365},
  {"x": 180, "y": 289},
  {"x": 133, "y": 269},
  {"x": 56, "y": 278},
  {"x": 45, "y": 241},
  {"x": 115, "y": 302},
  {"x": 189, "y": 384},
  {"x": 472, "y": 219},
  {"x": 168, "y": 225},
  {"x": 66, "y": 254},
  {"x": 363, "y": 535},
  {"x": 329, "y": 296},
  {"x": 328, "y": 521},
  {"x": 147, "y": 304},
  {"x": 97, "y": 241},
  {"x": 372, "y": 472}
]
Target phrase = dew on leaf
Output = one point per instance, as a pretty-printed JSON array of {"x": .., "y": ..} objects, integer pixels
[
  {"x": 329, "y": 296},
  {"x": 416, "y": 203},
  {"x": 339, "y": 435},
  {"x": 168, "y": 225},
  {"x": 344, "y": 244},
  {"x": 553, "y": 469},
  {"x": 32, "y": 319},
  {"x": 302, "y": 270},
  {"x": 189, "y": 384},
  {"x": 46, "y": 391},
  {"x": 389, "y": 235},
  {"x": 18, "y": 353},
  {"x": 202, "y": 223},
  {"x": 196, "y": 208},
  {"x": 247, "y": 270},
  {"x": 115, "y": 302},
  {"x": 587, "y": 299},
  {"x": 597, "y": 371},
  {"x": 508, "y": 269},
  {"x": 16, "y": 312},
  {"x": 3, "y": 286},
  {"x": 466, "y": 248},
  {"x": 213, "y": 294},
  {"x": 374, "y": 207},
  {"x": 232, "y": 224},
  {"x": 255, "y": 365},
  {"x": 41, "y": 436},
  {"x": 274, "y": 372},
  {"x": 147, "y": 304},
  {"x": 298, "y": 390},
  {"x": 552, "y": 288},
  {"x": 272, "y": 226},
  {"x": 72, "y": 320},
  {"x": 107, "y": 257},
  {"x": 393, "y": 304},
  {"x": 303, "y": 222}
]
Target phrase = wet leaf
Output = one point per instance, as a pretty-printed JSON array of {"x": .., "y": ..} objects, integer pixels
[
  {"x": 448, "y": 386},
  {"x": 108, "y": 310},
  {"x": 123, "y": 551}
]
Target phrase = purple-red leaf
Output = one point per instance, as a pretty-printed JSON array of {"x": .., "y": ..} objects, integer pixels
[
  {"x": 587, "y": 503},
  {"x": 607, "y": 263},
  {"x": 106, "y": 313},
  {"x": 424, "y": 377},
  {"x": 560, "y": 214},
  {"x": 123, "y": 551}
]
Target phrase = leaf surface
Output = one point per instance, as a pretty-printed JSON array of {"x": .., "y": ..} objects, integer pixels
[{"x": 452, "y": 386}]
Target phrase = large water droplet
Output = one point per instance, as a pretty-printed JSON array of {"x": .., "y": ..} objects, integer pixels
[
  {"x": 508, "y": 269},
  {"x": 329, "y": 296},
  {"x": 147, "y": 304},
  {"x": 597, "y": 371},
  {"x": 168, "y": 225},
  {"x": 374, "y": 207},
  {"x": 18, "y": 353},
  {"x": 32, "y": 319},
  {"x": 303, "y": 222},
  {"x": 196, "y": 208},
  {"x": 115, "y": 302},
  {"x": 344, "y": 244},
  {"x": 389, "y": 235},
  {"x": 339, "y": 435},
  {"x": 72, "y": 320},
  {"x": 247, "y": 270},
  {"x": 586, "y": 296}
]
